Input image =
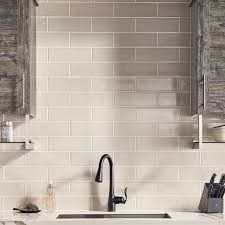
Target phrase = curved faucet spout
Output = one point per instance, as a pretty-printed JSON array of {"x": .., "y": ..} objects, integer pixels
[{"x": 99, "y": 178}]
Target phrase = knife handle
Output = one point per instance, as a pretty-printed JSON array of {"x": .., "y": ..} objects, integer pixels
[
  {"x": 212, "y": 180},
  {"x": 222, "y": 179}
]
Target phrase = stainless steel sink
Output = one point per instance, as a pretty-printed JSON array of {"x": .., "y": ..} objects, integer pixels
[{"x": 106, "y": 216}]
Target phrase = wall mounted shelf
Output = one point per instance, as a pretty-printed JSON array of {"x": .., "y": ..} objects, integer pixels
[
  {"x": 196, "y": 143},
  {"x": 27, "y": 146}
]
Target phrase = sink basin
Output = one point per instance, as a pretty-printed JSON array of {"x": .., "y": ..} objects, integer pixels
[{"x": 112, "y": 216}]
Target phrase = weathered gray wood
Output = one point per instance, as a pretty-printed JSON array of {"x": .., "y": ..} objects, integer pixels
[
  {"x": 17, "y": 56},
  {"x": 210, "y": 58}
]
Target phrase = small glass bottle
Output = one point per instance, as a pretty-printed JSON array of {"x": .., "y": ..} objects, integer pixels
[
  {"x": 6, "y": 131},
  {"x": 50, "y": 202}
]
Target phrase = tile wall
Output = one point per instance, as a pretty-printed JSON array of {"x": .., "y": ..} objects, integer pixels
[{"x": 113, "y": 77}]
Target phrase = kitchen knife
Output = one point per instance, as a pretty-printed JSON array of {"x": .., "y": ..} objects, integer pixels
[
  {"x": 211, "y": 182},
  {"x": 221, "y": 185},
  {"x": 223, "y": 192}
]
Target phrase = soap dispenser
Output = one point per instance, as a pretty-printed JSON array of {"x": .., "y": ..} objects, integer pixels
[{"x": 50, "y": 202}]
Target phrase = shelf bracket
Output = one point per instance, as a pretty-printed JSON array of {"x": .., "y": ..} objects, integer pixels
[
  {"x": 28, "y": 143},
  {"x": 198, "y": 144}
]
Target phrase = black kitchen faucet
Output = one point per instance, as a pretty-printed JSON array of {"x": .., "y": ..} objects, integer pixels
[{"x": 112, "y": 200}]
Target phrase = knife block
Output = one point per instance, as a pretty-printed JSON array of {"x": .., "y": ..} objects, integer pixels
[{"x": 210, "y": 204}]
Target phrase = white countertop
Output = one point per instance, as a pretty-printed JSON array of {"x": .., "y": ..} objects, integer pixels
[{"x": 187, "y": 217}]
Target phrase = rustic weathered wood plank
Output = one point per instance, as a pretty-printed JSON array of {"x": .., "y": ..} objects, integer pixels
[
  {"x": 208, "y": 96},
  {"x": 17, "y": 56}
]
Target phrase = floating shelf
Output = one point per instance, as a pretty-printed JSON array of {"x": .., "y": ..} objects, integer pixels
[
  {"x": 196, "y": 143},
  {"x": 27, "y": 145}
]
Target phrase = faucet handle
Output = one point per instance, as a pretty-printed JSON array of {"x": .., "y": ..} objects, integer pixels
[
  {"x": 125, "y": 193},
  {"x": 121, "y": 200}
]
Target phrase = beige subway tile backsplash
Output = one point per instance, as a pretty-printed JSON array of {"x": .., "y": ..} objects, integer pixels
[
  {"x": 113, "y": 54},
  {"x": 69, "y": 54},
  {"x": 113, "y": 25},
  {"x": 157, "y": 25},
  {"x": 91, "y": 39},
  {"x": 67, "y": 24},
  {"x": 91, "y": 10},
  {"x": 135, "y": 10},
  {"x": 113, "y": 77},
  {"x": 91, "y": 69},
  {"x": 53, "y": 9},
  {"x": 135, "y": 69},
  {"x": 69, "y": 84},
  {"x": 157, "y": 54}
]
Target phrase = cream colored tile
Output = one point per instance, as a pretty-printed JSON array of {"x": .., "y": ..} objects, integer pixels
[
  {"x": 12, "y": 189},
  {"x": 52, "y": 40},
  {"x": 174, "y": 39},
  {"x": 41, "y": 24},
  {"x": 53, "y": 9},
  {"x": 179, "y": 188},
  {"x": 69, "y": 24},
  {"x": 157, "y": 54},
  {"x": 92, "y": 69},
  {"x": 69, "y": 144},
  {"x": 135, "y": 39},
  {"x": 25, "y": 174},
  {"x": 66, "y": 174},
  {"x": 135, "y": 10},
  {"x": 135, "y": 99},
  {"x": 69, "y": 84},
  {"x": 213, "y": 158},
  {"x": 174, "y": 69},
  {"x": 199, "y": 173},
  {"x": 157, "y": 25},
  {"x": 174, "y": 10},
  {"x": 91, "y": 39},
  {"x": 135, "y": 129},
  {"x": 92, "y": 129},
  {"x": 49, "y": 129},
  {"x": 91, "y": 99},
  {"x": 71, "y": 114},
  {"x": 175, "y": 129},
  {"x": 13, "y": 158},
  {"x": 135, "y": 69},
  {"x": 85, "y": 158},
  {"x": 40, "y": 188},
  {"x": 157, "y": 203},
  {"x": 113, "y": 25},
  {"x": 179, "y": 158},
  {"x": 157, "y": 173},
  {"x": 122, "y": 173},
  {"x": 113, "y": 144},
  {"x": 113, "y": 84},
  {"x": 52, "y": 99},
  {"x": 157, "y": 144},
  {"x": 114, "y": 114},
  {"x": 174, "y": 99},
  {"x": 136, "y": 158},
  {"x": 157, "y": 84},
  {"x": 48, "y": 159},
  {"x": 113, "y": 54},
  {"x": 69, "y": 55},
  {"x": 157, "y": 114},
  {"x": 42, "y": 54},
  {"x": 91, "y": 10},
  {"x": 52, "y": 69},
  {"x": 71, "y": 203}
]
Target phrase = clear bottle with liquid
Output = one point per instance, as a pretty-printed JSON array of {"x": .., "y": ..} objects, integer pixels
[
  {"x": 6, "y": 131},
  {"x": 50, "y": 201}
]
